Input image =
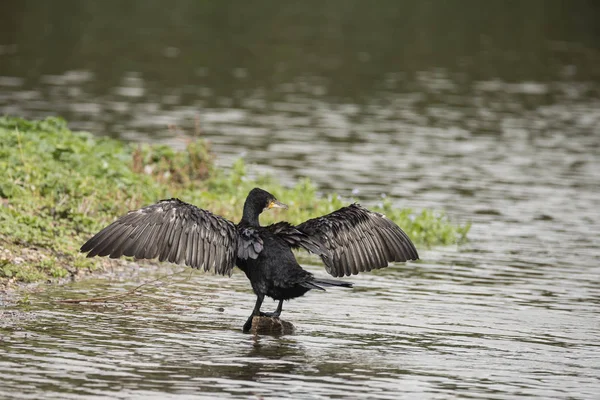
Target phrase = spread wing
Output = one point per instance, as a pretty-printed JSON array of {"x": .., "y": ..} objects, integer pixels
[
  {"x": 295, "y": 238},
  {"x": 359, "y": 240},
  {"x": 170, "y": 230}
]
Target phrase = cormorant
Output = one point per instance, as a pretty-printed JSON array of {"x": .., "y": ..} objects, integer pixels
[{"x": 349, "y": 240}]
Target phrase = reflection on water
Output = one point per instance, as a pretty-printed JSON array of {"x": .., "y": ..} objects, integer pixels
[{"x": 490, "y": 114}]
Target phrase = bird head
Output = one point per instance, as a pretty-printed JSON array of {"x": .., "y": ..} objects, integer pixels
[
  {"x": 264, "y": 200},
  {"x": 257, "y": 201}
]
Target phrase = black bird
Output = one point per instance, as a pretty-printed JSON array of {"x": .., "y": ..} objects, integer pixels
[{"x": 349, "y": 240}]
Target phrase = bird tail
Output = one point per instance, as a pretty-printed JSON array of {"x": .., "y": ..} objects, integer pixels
[{"x": 318, "y": 283}]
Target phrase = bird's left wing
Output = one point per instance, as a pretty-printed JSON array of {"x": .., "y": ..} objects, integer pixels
[
  {"x": 359, "y": 240},
  {"x": 171, "y": 230}
]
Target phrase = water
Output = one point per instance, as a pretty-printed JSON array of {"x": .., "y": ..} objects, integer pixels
[{"x": 487, "y": 114}]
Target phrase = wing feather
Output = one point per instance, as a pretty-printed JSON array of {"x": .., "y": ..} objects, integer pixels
[
  {"x": 132, "y": 243},
  {"x": 210, "y": 254},
  {"x": 122, "y": 232},
  {"x": 170, "y": 230},
  {"x": 373, "y": 250},
  {"x": 138, "y": 246},
  {"x": 150, "y": 244},
  {"x": 358, "y": 240},
  {"x": 197, "y": 250},
  {"x": 174, "y": 240},
  {"x": 348, "y": 263},
  {"x": 118, "y": 251}
]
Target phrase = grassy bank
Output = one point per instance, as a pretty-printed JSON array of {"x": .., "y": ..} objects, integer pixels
[{"x": 58, "y": 187}]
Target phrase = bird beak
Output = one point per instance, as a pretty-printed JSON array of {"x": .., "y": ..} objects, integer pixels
[{"x": 277, "y": 204}]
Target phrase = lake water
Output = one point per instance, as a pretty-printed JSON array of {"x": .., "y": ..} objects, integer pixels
[{"x": 490, "y": 113}]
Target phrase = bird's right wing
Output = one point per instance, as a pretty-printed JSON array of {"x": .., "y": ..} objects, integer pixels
[
  {"x": 359, "y": 240},
  {"x": 171, "y": 230}
]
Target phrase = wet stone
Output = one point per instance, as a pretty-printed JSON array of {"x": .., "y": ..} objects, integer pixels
[{"x": 271, "y": 326}]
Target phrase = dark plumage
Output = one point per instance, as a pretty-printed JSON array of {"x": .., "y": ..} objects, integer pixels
[{"x": 349, "y": 240}]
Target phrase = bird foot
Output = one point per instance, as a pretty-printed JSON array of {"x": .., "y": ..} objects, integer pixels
[
  {"x": 248, "y": 325},
  {"x": 273, "y": 314}
]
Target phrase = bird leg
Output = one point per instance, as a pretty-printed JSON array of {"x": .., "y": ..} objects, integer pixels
[
  {"x": 276, "y": 313},
  {"x": 256, "y": 312}
]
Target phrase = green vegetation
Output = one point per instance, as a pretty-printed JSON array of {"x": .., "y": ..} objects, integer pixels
[{"x": 58, "y": 187}]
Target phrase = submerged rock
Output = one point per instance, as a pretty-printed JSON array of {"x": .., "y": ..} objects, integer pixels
[{"x": 271, "y": 326}]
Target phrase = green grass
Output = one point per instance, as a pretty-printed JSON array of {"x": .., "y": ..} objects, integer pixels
[{"x": 58, "y": 187}]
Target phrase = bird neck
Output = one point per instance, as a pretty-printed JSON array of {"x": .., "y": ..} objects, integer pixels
[{"x": 250, "y": 215}]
